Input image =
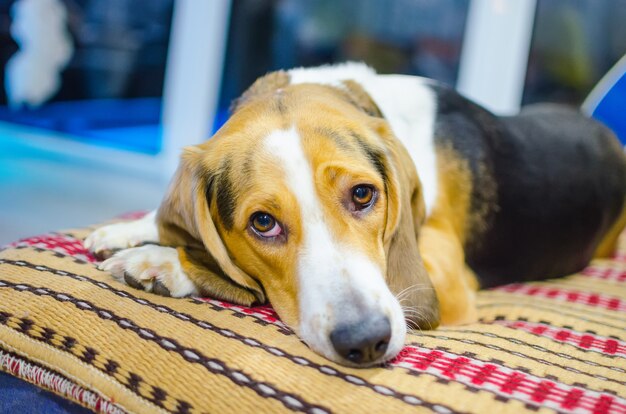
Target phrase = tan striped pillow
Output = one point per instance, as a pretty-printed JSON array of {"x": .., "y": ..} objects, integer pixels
[{"x": 70, "y": 328}]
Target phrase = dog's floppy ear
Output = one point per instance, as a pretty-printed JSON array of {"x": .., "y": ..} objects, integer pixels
[
  {"x": 406, "y": 275},
  {"x": 261, "y": 87},
  {"x": 185, "y": 221}
]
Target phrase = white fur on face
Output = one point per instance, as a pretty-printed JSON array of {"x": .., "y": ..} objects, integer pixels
[{"x": 336, "y": 284}]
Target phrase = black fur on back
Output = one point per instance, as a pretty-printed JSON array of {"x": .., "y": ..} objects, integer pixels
[{"x": 550, "y": 182}]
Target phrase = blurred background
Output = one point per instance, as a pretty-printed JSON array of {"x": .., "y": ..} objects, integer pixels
[{"x": 142, "y": 78}]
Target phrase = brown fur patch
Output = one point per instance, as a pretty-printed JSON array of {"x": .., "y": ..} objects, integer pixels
[{"x": 443, "y": 237}]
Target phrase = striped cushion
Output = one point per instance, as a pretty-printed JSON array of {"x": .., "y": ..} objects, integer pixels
[{"x": 70, "y": 328}]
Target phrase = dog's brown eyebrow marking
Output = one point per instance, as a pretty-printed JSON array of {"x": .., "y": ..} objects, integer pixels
[
  {"x": 279, "y": 102},
  {"x": 225, "y": 198},
  {"x": 374, "y": 155},
  {"x": 336, "y": 136}
]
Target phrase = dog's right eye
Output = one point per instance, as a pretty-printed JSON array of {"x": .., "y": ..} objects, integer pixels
[
  {"x": 363, "y": 196},
  {"x": 265, "y": 225}
]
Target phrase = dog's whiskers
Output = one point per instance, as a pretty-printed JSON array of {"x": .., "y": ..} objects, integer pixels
[
  {"x": 413, "y": 288},
  {"x": 411, "y": 326},
  {"x": 412, "y": 311}
]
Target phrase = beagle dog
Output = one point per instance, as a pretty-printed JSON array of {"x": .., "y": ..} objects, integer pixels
[{"x": 361, "y": 205}]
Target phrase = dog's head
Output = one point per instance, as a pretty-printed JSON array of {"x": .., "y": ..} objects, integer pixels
[{"x": 306, "y": 198}]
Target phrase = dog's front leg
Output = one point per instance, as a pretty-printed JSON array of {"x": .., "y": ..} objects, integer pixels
[
  {"x": 176, "y": 272},
  {"x": 166, "y": 271},
  {"x": 132, "y": 258},
  {"x": 107, "y": 240},
  {"x": 156, "y": 269}
]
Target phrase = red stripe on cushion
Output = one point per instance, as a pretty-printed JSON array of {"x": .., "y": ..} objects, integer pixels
[
  {"x": 605, "y": 273},
  {"x": 572, "y": 399},
  {"x": 134, "y": 215},
  {"x": 603, "y": 405},
  {"x": 507, "y": 382},
  {"x": 265, "y": 312},
  {"x": 542, "y": 391},
  {"x": 65, "y": 244},
  {"x": 567, "y": 295},
  {"x": 59, "y": 243},
  {"x": 484, "y": 374},
  {"x": 587, "y": 341}
]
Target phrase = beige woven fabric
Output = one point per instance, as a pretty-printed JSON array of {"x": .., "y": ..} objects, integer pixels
[{"x": 553, "y": 346}]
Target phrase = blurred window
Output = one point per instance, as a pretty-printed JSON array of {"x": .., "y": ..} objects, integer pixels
[
  {"x": 417, "y": 37},
  {"x": 575, "y": 42},
  {"x": 111, "y": 88}
]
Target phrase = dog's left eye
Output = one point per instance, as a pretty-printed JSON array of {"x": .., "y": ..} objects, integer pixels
[
  {"x": 265, "y": 225},
  {"x": 362, "y": 196}
]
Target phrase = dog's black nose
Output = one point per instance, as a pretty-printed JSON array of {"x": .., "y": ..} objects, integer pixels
[{"x": 363, "y": 341}]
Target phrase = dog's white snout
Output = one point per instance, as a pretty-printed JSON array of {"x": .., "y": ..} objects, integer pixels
[{"x": 351, "y": 317}]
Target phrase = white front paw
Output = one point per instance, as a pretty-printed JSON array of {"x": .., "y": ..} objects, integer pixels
[
  {"x": 151, "y": 268},
  {"x": 107, "y": 240}
]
